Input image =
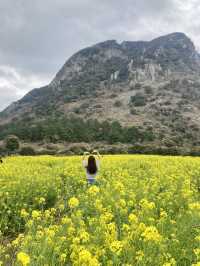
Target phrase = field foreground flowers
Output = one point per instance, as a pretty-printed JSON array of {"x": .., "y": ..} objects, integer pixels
[{"x": 144, "y": 210}]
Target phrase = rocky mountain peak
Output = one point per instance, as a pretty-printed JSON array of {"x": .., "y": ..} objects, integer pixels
[
  {"x": 175, "y": 45},
  {"x": 107, "y": 44},
  {"x": 176, "y": 39},
  {"x": 174, "y": 52}
]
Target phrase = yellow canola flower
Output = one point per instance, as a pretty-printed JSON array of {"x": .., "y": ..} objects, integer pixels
[
  {"x": 125, "y": 227},
  {"x": 106, "y": 217},
  {"x": 197, "y": 252},
  {"x": 39, "y": 234},
  {"x": 147, "y": 205},
  {"x": 130, "y": 203},
  {"x": 23, "y": 258},
  {"x": 16, "y": 242},
  {"x": 66, "y": 220},
  {"x": 47, "y": 214},
  {"x": 122, "y": 203},
  {"x": 98, "y": 205},
  {"x": 73, "y": 202},
  {"x": 194, "y": 206},
  {"x": 24, "y": 213},
  {"x": 163, "y": 214},
  {"x": 36, "y": 214},
  {"x": 151, "y": 234},
  {"x": 84, "y": 236},
  {"x": 139, "y": 255},
  {"x": 93, "y": 190},
  {"x": 63, "y": 257},
  {"x": 141, "y": 227},
  {"x": 41, "y": 200},
  {"x": 116, "y": 247},
  {"x": 61, "y": 207},
  {"x": 76, "y": 240},
  {"x": 71, "y": 230},
  {"x": 143, "y": 201},
  {"x": 197, "y": 238},
  {"x": 119, "y": 186},
  {"x": 29, "y": 223},
  {"x": 133, "y": 218},
  {"x": 53, "y": 211},
  {"x": 172, "y": 262},
  {"x": 86, "y": 259},
  {"x": 50, "y": 233}
]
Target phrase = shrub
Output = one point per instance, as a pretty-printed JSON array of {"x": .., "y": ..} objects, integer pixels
[
  {"x": 138, "y": 149},
  {"x": 148, "y": 90},
  {"x": 2, "y": 151},
  {"x": 77, "y": 110},
  {"x": 65, "y": 152},
  {"x": 145, "y": 149},
  {"x": 118, "y": 104},
  {"x": 138, "y": 86},
  {"x": 138, "y": 100},
  {"x": 194, "y": 152},
  {"x": 133, "y": 111},
  {"x": 113, "y": 150},
  {"x": 68, "y": 99},
  {"x": 113, "y": 95},
  {"x": 84, "y": 106},
  {"x": 46, "y": 152},
  {"x": 26, "y": 151},
  {"x": 77, "y": 150},
  {"x": 98, "y": 106}
]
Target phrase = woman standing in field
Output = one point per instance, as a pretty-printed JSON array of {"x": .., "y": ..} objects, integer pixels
[{"x": 91, "y": 164}]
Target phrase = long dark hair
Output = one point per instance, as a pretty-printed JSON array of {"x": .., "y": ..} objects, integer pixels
[{"x": 91, "y": 167}]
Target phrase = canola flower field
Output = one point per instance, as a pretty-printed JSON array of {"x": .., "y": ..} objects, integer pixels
[{"x": 144, "y": 210}]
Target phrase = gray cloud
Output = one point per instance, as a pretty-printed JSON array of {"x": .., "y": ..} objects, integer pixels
[
  {"x": 38, "y": 36},
  {"x": 14, "y": 84}
]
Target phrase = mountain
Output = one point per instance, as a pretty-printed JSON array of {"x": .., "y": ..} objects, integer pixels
[{"x": 153, "y": 86}]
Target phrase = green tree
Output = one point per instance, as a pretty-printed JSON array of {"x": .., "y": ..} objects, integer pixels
[{"x": 12, "y": 143}]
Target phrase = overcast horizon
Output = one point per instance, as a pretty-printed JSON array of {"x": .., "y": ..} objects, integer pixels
[{"x": 38, "y": 37}]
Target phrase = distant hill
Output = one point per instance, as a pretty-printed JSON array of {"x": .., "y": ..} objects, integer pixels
[{"x": 132, "y": 92}]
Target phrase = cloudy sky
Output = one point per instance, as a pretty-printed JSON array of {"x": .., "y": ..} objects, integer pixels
[{"x": 37, "y": 37}]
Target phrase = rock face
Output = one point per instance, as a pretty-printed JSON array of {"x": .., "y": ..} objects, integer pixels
[
  {"x": 174, "y": 53},
  {"x": 165, "y": 70}
]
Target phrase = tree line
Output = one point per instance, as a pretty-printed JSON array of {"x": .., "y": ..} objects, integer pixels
[{"x": 75, "y": 129}]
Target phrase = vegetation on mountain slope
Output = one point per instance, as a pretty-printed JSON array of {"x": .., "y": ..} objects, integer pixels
[{"x": 153, "y": 88}]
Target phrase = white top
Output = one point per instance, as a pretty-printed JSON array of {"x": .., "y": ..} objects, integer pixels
[{"x": 91, "y": 176}]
